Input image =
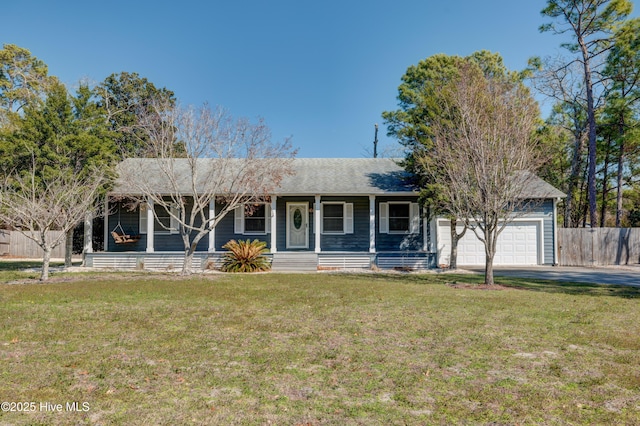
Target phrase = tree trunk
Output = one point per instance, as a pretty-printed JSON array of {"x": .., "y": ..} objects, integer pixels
[
  {"x": 455, "y": 237},
  {"x": 453, "y": 257},
  {"x": 188, "y": 261},
  {"x": 68, "y": 249},
  {"x": 605, "y": 187},
  {"x": 591, "y": 119},
  {"x": 490, "y": 238},
  {"x": 620, "y": 174},
  {"x": 46, "y": 259},
  {"x": 190, "y": 248},
  {"x": 573, "y": 179},
  {"x": 582, "y": 207},
  {"x": 488, "y": 271}
]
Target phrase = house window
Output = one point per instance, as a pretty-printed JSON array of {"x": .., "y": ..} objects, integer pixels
[
  {"x": 255, "y": 218},
  {"x": 333, "y": 218},
  {"x": 163, "y": 219},
  {"x": 164, "y": 224},
  {"x": 252, "y": 219},
  {"x": 399, "y": 217},
  {"x": 337, "y": 218}
]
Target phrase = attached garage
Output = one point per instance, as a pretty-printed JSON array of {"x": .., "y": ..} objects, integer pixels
[{"x": 520, "y": 243}]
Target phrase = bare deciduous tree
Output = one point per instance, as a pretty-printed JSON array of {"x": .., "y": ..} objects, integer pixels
[
  {"x": 563, "y": 82},
  {"x": 34, "y": 205},
  {"x": 484, "y": 155},
  {"x": 199, "y": 156}
]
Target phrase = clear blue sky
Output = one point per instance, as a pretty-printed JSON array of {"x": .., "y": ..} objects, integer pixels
[{"x": 321, "y": 72}]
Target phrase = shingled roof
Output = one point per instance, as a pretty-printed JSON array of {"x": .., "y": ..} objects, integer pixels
[
  {"x": 347, "y": 176},
  {"x": 325, "y": 176},
  {"x": 538, "y": 188},
  {"x": 311, "y": 176}
]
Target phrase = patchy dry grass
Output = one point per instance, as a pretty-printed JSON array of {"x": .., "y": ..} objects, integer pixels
[{"x": 319, "y": 349}]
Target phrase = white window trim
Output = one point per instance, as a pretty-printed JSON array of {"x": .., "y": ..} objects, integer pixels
[
  {"x": 239, "y": 220},
  {"x": 414, "y": 218},
  {"x": 158, "y": 230},
  {"x": 347, "y": 218}
]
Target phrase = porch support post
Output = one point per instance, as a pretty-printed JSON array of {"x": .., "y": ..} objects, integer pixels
[
  {"x": 212, "y": 229},
  {"x": 425, "y": 229},
  {"x": 88, "y": 233},
  {"x": 372, "y": 223},
  {"x": 274, "y": 224},
  {"x": 105, "y": 246},
  {"x": 151, "y": 222},
  {"x": 316, "y": 223},
  {"x": 433, "y": 226}
]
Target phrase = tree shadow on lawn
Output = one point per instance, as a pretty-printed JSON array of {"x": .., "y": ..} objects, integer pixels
[
  {"x": 20, "y": 265},
  {"x": 572, "y": 288},
  {"x": 530, "y": 284}
]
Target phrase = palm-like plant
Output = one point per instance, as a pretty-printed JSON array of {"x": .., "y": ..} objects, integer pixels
[{"x": 245, "y": 256}]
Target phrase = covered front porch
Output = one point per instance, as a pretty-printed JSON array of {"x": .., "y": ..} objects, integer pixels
[
  {"x": 320, "y": 223},
  {"x": 302, "y": 232}
]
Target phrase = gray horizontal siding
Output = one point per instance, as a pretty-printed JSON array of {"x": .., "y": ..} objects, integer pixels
[
  {"x": 359, "y": 240},
  {"x": 397, "y": 242},
  {"x": 225, "y": 232},
  {"x": 544, "y": 210}
]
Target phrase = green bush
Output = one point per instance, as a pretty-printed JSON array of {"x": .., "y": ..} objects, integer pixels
[{"x": 245, "y": 256}]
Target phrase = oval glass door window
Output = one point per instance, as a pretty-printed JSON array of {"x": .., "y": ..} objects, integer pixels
[{"x": 297, "y": 219}]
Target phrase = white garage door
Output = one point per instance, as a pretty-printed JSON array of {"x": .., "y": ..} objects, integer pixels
[{"x": 518, "y": 244}]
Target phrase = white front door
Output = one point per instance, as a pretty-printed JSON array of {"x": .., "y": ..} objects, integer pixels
[{"x": 298, "y": 225}]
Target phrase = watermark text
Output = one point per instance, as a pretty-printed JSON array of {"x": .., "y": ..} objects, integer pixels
[{"x": 44, "y": 406}]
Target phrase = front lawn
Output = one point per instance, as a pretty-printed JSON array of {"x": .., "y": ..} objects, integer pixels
[{"x": 314, "y": 349}]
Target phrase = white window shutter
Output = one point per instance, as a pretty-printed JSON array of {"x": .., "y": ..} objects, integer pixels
[
  {"x": 414, "y": 212},
  {"x": 175, "y": 223},
  {"x": 142, "y": 222},
  {"x": 238, "y": 227},
  {"x": 267, "y": 218},
  {"x": 384, "y": 218},
  {"x": 348, "y": 218}
]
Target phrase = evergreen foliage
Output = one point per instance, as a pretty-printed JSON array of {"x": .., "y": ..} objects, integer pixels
[{"x": 124, "y": 98}]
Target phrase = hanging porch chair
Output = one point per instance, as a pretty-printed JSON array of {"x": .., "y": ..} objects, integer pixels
[{"x": 121, "y": 237}]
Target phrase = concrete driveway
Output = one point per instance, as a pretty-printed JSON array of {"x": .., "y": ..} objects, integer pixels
[{"x": 621, "y": 275}]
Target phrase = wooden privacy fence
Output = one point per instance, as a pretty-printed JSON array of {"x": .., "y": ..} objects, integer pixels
[
  {"x": 13, "y": 243},
  {"x": 598, "y": 246},
  {"x": 4, "y": 241}
]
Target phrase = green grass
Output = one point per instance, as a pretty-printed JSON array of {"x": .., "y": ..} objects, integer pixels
[{"x": 319, "y": 349}]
